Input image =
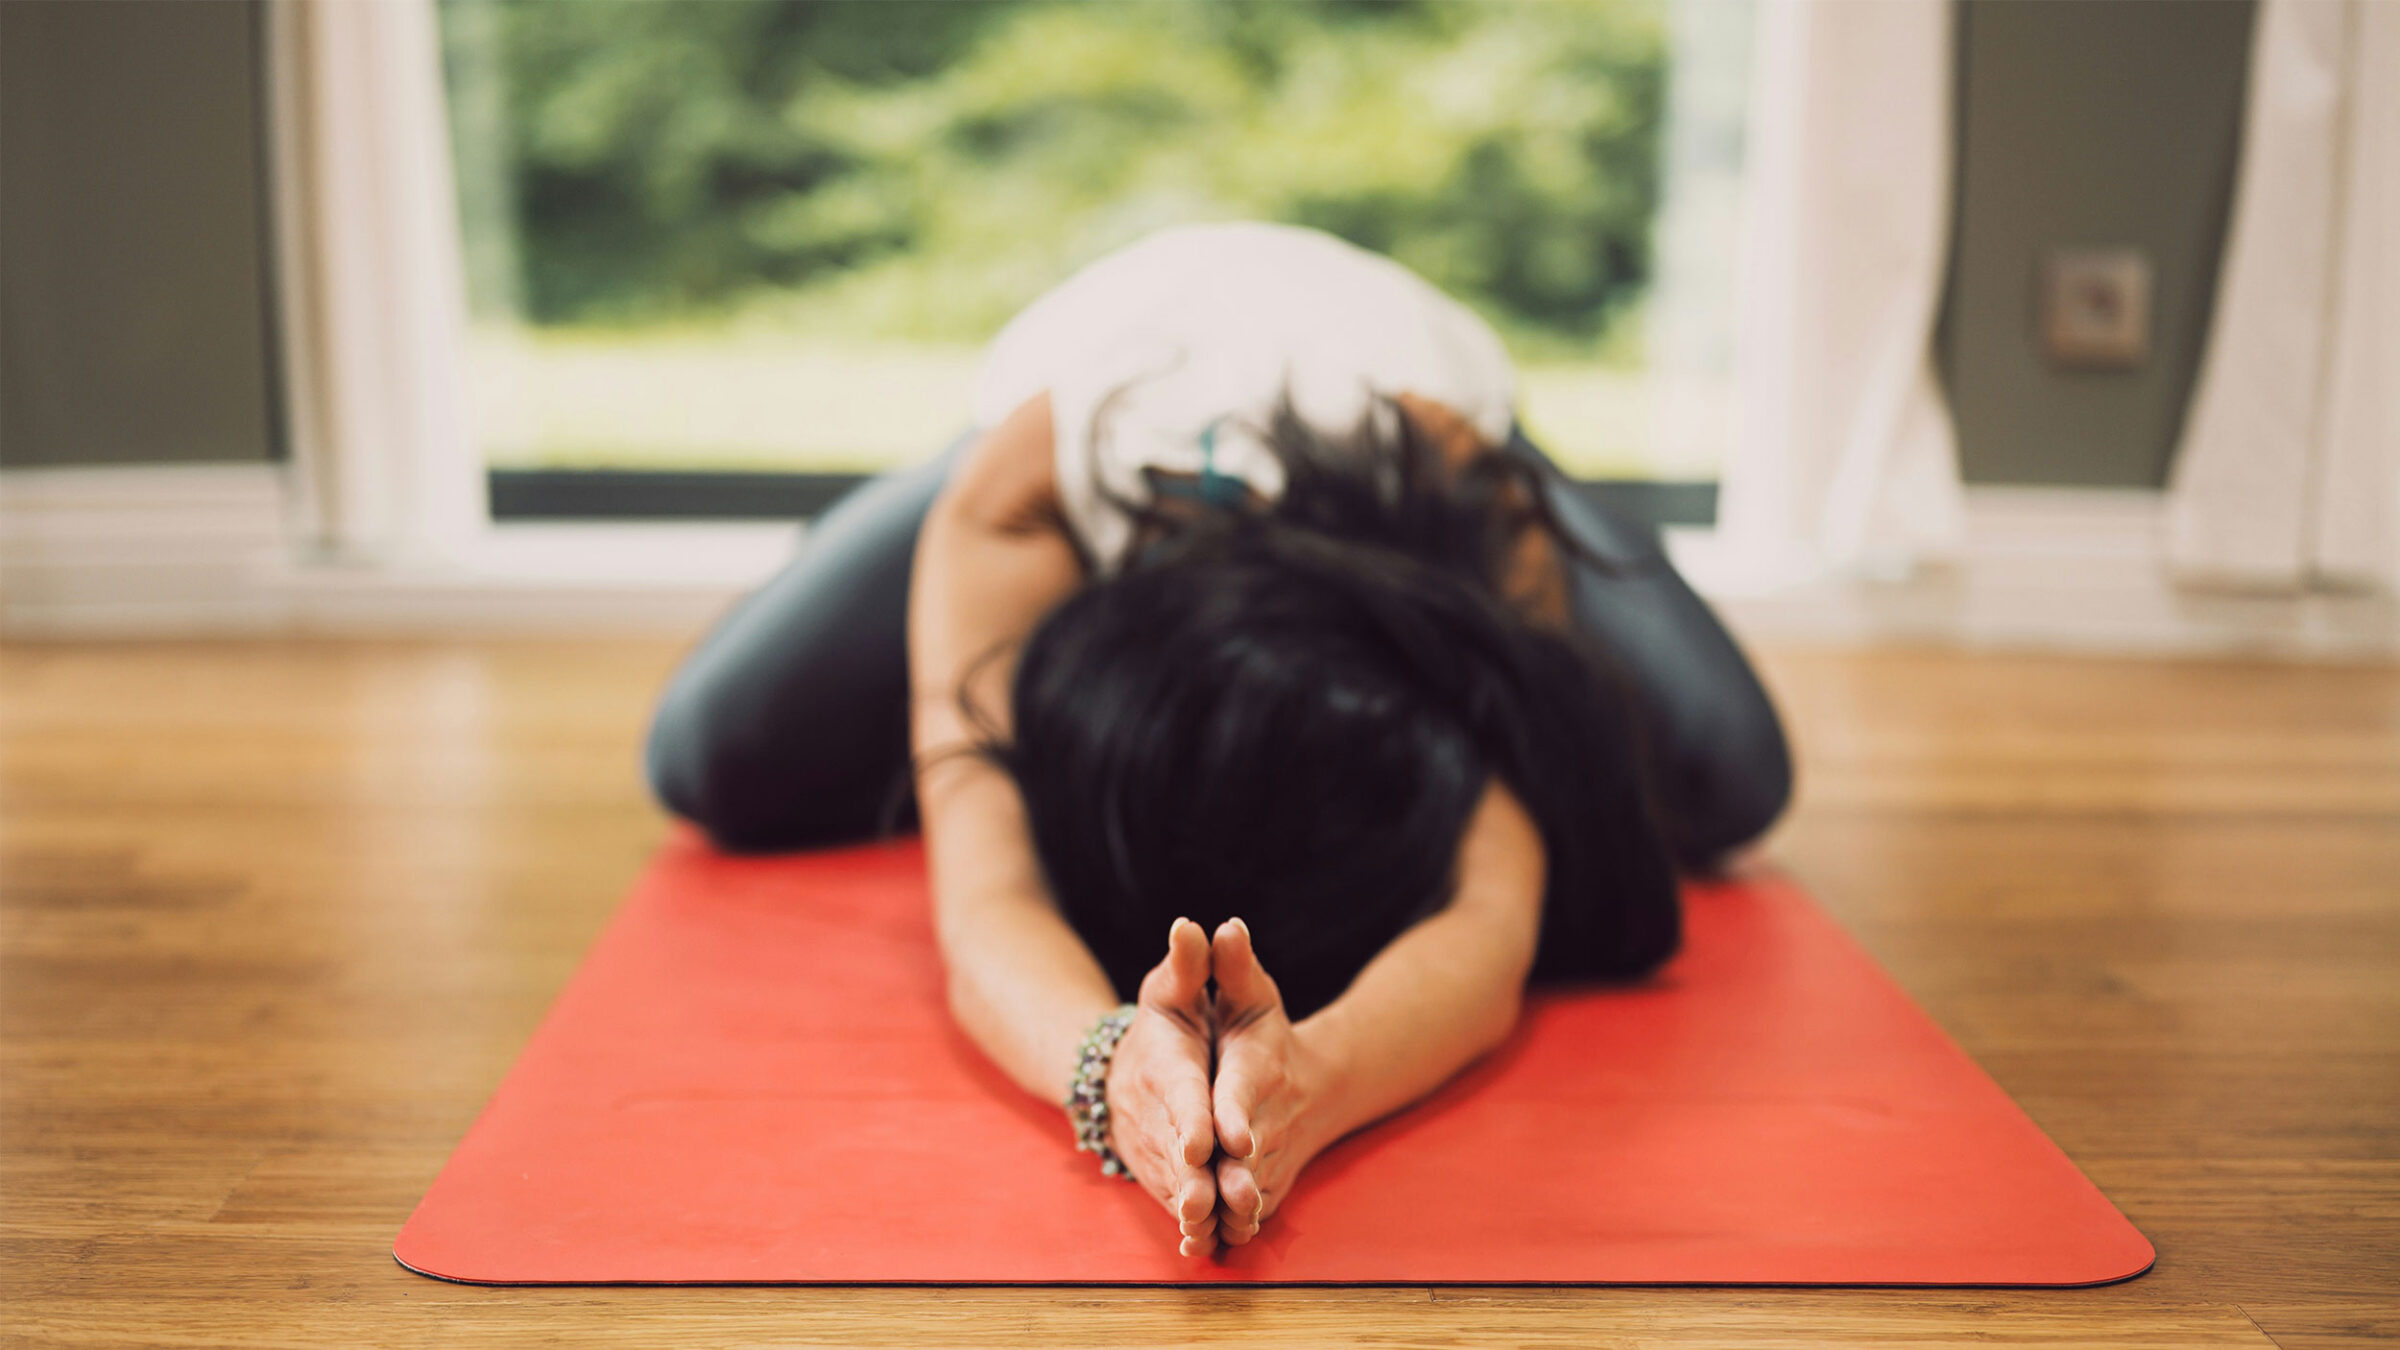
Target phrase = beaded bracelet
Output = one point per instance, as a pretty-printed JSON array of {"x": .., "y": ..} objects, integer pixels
[{"x": 1087, "y": 1094}]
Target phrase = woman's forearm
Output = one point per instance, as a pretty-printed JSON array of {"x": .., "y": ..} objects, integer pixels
[
  {"x": 1443, "y": 993},
  {"x": 989, "y": 564},
  {"x": 1022, "y": 985},
  {"x": 1449, "y": 993}
]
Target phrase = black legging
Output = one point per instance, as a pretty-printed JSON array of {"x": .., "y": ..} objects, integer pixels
[{"x": 788, "y": 727}]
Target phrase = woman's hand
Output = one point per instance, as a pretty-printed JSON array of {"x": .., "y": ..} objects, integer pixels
[
  {"x": 1158, "y": 1091},
  {"x": 1269, "y": 1093}
]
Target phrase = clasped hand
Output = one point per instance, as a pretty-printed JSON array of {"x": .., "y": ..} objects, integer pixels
[{"x": 1214, "y": 1102}]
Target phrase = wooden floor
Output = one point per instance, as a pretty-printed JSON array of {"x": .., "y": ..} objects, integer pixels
[{"x": 275, "y": 918}]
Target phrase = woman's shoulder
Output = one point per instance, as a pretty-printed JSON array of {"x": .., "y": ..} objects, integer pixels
[{"x": 1006, "y": 482}]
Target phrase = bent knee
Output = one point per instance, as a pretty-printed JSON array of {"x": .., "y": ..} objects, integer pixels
[
  {"x": 679, "y": 760},
  {"x": 751, "y": 794},
  {"x": 700, "y": 769},
  {"x": 1744, "y": 789},
  {"x": 710, "y": 788}
]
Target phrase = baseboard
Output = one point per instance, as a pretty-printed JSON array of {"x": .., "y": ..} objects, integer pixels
[
  {"x": 195, "y": 551},
  {"x": 2061, "y": 569},
  {"x": 205, "y": 550},
  {"x": 161, "y": 549}
]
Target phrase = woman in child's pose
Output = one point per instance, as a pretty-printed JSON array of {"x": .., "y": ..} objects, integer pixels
[{"x": 1259, "y": 674}]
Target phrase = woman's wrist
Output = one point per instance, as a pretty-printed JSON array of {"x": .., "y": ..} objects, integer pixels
[
  {"x": 1087, "y": 1093},
  {"x": 1360, "y": 1068},
  {"x": 1030, "y": 1028},
  {"x": 1321, "y": 1068}
]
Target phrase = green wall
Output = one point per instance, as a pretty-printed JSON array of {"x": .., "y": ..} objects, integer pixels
[
  {"x": 133, "y": 284},
  {"x": 2105, "y": 122}
]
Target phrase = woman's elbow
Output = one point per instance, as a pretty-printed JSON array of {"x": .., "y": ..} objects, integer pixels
[{"x": 1499, "y": 1018}]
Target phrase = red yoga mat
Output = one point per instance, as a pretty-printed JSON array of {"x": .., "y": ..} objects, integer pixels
[{"x": 754, "y": 1079}]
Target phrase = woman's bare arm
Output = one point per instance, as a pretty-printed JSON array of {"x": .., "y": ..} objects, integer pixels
[
  {"x": 1440, "y": 996},
  {"x": 992, "y": 559},
  {"x": 1449, "y": 989},
  {"x": 989, "y": 565}
]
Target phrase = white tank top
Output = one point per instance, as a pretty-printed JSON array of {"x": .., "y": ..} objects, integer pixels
[{"x": 1171, "y": 353}]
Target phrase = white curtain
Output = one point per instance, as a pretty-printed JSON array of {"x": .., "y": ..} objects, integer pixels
[
  {"x": 1845, "y": 459},
  {"x": 2289, "y": 469},
  {"x": 374, "y": 298}
]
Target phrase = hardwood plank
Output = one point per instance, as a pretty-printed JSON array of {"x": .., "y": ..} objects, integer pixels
[{"x": 275, "y": 918}]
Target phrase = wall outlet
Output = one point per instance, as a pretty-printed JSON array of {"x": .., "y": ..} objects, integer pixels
[{"x": 2095, "y": 308}]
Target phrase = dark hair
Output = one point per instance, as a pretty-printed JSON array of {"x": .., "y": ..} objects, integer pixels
[{"x": 1289, "y": 714}]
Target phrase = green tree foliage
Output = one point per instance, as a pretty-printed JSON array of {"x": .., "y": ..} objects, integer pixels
[{"x": 918, "y": 170}]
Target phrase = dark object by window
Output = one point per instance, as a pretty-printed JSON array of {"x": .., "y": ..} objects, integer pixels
[{"x": 660, "y": 494}]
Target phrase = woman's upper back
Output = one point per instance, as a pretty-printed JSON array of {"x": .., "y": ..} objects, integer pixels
[{"x": 1171, "y": 354}]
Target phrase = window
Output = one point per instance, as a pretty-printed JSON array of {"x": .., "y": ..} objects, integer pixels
[{"x": 726, "y": 255}]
